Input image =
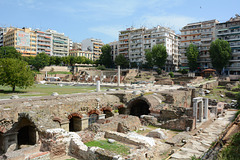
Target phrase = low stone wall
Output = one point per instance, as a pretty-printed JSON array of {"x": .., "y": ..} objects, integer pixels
[
  {"x": 210, "y": 85},
  {"x": 224, "y": 83},
  {"x": 179, "y": 124},
  {"x": 120, "y": 123}
]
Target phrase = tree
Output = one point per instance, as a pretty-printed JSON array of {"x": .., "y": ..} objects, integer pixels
[
  {"x": 192, "y": 55},
  {"x": 58, "y": 60},
  {"x": 29, "y": 60},
  {"x": 14, "y": 72},
  {"x": 122, "y": 61},
  {"x": 149, "y": 58},
  {"x": 220, "y": 54},
  {"x": 157, "y": 56},
  {"x": 106, "y": 57},
  {"x": 41, "y": 60},
  {"x": 9, "y": 52}
]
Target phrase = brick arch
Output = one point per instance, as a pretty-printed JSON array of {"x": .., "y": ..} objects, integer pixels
[
  {"x": 106, "y": 109},
  {"x": 95, "y": 111},
  {"x": 79, "y": 115},
  {"x": 57, "y": 119}
]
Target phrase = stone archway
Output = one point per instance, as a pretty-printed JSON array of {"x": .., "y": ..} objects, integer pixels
[
  {"x": 26, "y": 136},
  {"x": 139, "y": 107},
  {"x": 107, "y": 111},
  {"x": 26, "y": 133},
  {"x": 93, "y": 116},
  {"x": 75, "y": 122}
]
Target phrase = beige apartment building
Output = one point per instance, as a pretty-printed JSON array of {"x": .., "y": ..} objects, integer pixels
[
  {"x": 78, "y": 52},
  {"x": 93, "y": 45},
  {"x": 23, "y": 40},
  {"x": 200, "y": 34},
  {"x": 133, "y": 43}
]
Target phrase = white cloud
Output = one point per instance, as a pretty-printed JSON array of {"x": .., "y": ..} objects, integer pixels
[
  {"x": 111, "y": 31},
  {"x": 174, "y": 22}
]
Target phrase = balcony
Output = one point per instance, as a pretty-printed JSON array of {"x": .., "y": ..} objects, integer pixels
[
  {"x": 206, "y": 39},
  {"x": 234, "y": 60}
]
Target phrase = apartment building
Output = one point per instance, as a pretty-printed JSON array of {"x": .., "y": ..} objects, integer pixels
[
  {"x": 200, "y": 34},
  {"x": 124, "y": 42},
  {"x": 70, "y": 44},
  {"x": 44, "y": 42},
  {"x": 2, "y": 31},
  {"x": 78, "y": 52},
  {"x": 77, "y": 46},
  {"x": 24, "y": 40},
  {"x": 230, "y": 31},
  {"x": 133, "y": 43},
  {"x": 93, "y": 45},
  {"x": 60, "y": 43},
  {"x": 114, "y": 49}
]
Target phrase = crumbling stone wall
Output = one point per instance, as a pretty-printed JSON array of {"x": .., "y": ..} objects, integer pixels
[{"x": 120, "y": 123}]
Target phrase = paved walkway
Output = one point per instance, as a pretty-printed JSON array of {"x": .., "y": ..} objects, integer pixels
[{"x": 199, "y": 144}]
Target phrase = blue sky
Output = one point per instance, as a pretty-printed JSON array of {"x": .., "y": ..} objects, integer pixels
[{"x": 103, "y": 19}]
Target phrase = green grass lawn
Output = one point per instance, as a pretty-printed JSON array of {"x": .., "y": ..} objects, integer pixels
[
  {"x": 45, "y": 90},
  {"x": 114, "y": 147}
]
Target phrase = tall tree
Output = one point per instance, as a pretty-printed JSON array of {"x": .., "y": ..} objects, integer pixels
[
  {"x": 15, "y": 73},
  {"x": 220, "y": 54},
  {"x": 106, "y": 57},
  {"x": 157, "y": 56},
  {"x": 41, "y": 60},
  {"x": 149, "y": 58},
  {"x": 122, "y": 61},
  {"x": 192, "y": 55},
  {"x": 9, "y": 52}
]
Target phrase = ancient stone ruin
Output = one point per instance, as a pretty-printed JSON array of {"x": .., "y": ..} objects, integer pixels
[{"x": 56, "y": 126}]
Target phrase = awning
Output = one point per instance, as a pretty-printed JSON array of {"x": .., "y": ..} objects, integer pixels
[
  {"x": 223, "y": 29},
  {"x": 234, "y": 27}
]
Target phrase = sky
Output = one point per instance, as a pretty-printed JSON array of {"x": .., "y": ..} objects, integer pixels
[{"x": 103, "y": 19}]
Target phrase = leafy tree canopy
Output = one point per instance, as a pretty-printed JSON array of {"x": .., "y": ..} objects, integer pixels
[
  {"x": 9, "y": 52},
  {"x": 192, "y": 55},
  {"x": 106, "y": 57},
  {"x": 41, "y": 60},
  {"x": 122, "y": 61},
  {"x": 157, "y": 56},
  {"x": 220, "y": 53},
  {"x": 14, "y": 72}
]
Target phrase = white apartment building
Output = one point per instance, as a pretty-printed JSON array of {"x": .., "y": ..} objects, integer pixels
[
  {"x": 93, "y": 45},
  {"x": 230, "y": 31},
  {"x": 200, "y": 34},
  {"x": 114, "y": 46},
  {"x": 44, "y": 42},
  {"x": 2, "y": 31},
  {"x": 60, "y": 44},
  {"x": 133, "y": 43}
]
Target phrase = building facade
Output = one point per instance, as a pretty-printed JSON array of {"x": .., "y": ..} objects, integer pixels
[
  {"x": 44, "y": 42},
  {"x": 134, "y": 43},
  {"x": 2, "y": 31},
  {"x": 114, "y": 49},
  {"x": 77, "y": 46},
  {"x": 60, "y": 44},
  {"x": 78, "y": 52},
  {"x": 230, "y": 31},
  {"x": 200, "y": 34},
  {"x": 23, "y": 40},
  {"x": 93, "y": 45}
]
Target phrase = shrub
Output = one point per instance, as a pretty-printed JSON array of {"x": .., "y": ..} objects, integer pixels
[
  {"x": 171, "y": 74},
  {"x": 159, "y": 71},
  {"x": 184, "y": 71},
  {"x": 101, "y": 67}
]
